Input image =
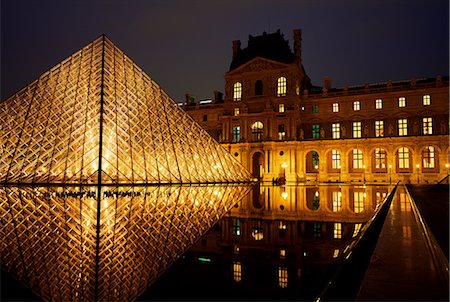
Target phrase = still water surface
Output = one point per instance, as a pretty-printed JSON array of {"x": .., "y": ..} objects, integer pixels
[{"x": 278, "y": 243}]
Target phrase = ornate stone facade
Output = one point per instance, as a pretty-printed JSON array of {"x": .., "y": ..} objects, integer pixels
[{"x": 282, "y": 126}]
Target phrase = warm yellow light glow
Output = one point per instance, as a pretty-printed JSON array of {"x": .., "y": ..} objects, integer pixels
[
  {"x": 317, "y": 193},
  {"x": 316, "y": 167},
  {"x": 284, "y": 195},
  {"x": 417, "y": 166},
  {"x": 446, "y": 165},
  {"x": 284, "y": 165}
]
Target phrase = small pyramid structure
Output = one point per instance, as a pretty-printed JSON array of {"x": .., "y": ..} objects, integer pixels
[{"x": 97, "y": 118}]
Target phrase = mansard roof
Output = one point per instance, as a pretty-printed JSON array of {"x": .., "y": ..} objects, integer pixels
[{"x": 271, "y": 46}]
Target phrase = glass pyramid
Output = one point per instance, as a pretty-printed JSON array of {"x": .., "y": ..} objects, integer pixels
[
  {"x": 105, "y": 181},
  {"x": 97, "y": 118},
  {"x": 56, "y": 242}
]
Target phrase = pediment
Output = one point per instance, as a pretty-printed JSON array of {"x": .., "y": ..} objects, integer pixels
[{"x": 258, "y": 64}]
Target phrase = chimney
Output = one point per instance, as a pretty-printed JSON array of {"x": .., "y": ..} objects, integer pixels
[
  {"x": 298, "y": 46},
  {"x": 326, "y": 82},
  {"x": 236, "y": 48}
]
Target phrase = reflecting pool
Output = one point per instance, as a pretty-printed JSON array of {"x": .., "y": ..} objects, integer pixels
[{"x": 278, "y": 243}]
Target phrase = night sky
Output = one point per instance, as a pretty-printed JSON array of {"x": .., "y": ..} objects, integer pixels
[{"x": 185, "y": 46}]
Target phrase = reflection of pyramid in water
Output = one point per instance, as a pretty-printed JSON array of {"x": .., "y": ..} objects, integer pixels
[
  {"x": 49, "y": 235},
  {"x": 98, "y": 111}
]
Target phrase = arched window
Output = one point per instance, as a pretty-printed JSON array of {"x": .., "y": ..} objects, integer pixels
[
  {"x": 237, "y": 91},
  {"x": 357, "y": 159},
  {"x": 428, "y": 157},
  {"x": 403, "y": 159},
  {"x": 257, "y": 131},
  {"x": 258, "y": 87},
  {"x": 281, "y": 86},
  {"x": 335, "y": 159},
  {"x": 380, "y": 160}
]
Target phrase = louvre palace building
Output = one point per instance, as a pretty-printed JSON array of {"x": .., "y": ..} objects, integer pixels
[{"x": 281, "y": 126}]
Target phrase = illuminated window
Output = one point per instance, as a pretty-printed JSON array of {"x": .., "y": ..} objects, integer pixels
[
  {"x": 428, "y": 157},
  {"x": 427, "y": 125},
  {"x": 426, "y": 100},
  {"x": 282, "y": 225},
  {"x": 281, "y": 132},
  {"x": 281, "y": 108},
  {"x": 357, "y": 159},
  {"x": 356, "y": 229},
  {"x": 356, "y": 129},
  {"x": 236, "y": 111},
  {"x": 281, "y": 86},
  {"x": 380, "y": 158},
  {"x": 378, "y": 104},
  {"x": 358, "y": 202},
  {"x": 402, "y": 127},
  {"x": 379, "y": 128},
  {"x": 282, "y": 254},
  {"x": 336, "y": 253},
  {"x": 237, "y": 91},
  {"x": 356, "y": 105},
  {"x": 403, "y": 158},
  {"x": 236, "y": 133},
  {"x": 282, "y": 277},
  {"x": 237, "y": 227},
  {"x": 337, "y": 201},
  {"x": 237, "y": 271},
  {"x": 335, "y": 159},
  {"x": 315, "y": 131},
  {"x": 335, "y": 107},
  {"x": 257, "y": 131},
  {"x": 401, "y": 102},
  {"x": 336, "y": 130},
  {"x": 337, "y": 230},
  {"x": 316, "y": 108}
]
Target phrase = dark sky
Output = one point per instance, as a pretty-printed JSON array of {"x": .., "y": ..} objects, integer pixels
[{"x": 185, "y": 46}]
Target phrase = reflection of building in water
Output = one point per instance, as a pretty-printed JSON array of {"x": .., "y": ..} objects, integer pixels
[
  {"x": 277, "y": 124},
  {"x": 282, "y": 234}
]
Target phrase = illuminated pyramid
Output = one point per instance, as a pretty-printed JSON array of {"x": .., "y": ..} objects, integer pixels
[
  {"x": 97, "y": 118},
  {"x": 54, "y": 243},
  {"x": 104, "y": 180}
]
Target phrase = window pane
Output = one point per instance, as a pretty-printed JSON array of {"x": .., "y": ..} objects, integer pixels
[
  {"x": 379, "y": 128},
  {"x": 281, "y": 86},
  {"x": 378, "y": 103},
  {"x": 426, "y": 99},
  {"x": 335, "y": 107},
  {"x": 356, "y": 129},
  {"x": 402, "y": 102},
  {"x": 402, "y": 127},
  {"x": 403, "y": 158},
  {"x": 427, "y": 125},
  {"x": 237, "y": 91},
  {"x": 428, "y": 157},
  {"x": 356, "y": 106},
  {"x": 357, "y": 159},
  {"x": 336, "y": 130}
]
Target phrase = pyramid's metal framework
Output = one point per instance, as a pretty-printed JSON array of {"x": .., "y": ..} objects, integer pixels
[
  {"x": 98, "y": 118},
  {"x": 54, "y": 243},
  {"x": 94, "y": 162}
]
